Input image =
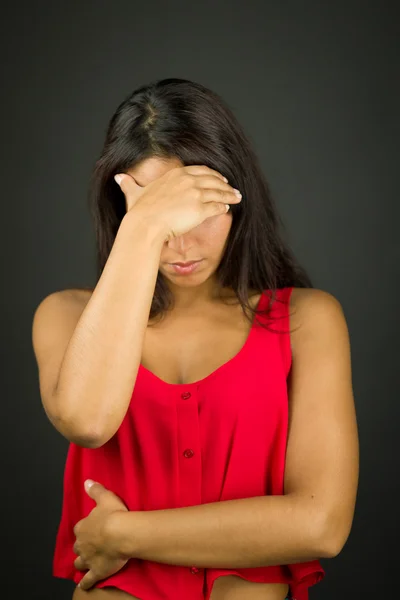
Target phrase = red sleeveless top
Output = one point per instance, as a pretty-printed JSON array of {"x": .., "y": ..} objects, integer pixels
[{"x": 221, "y": 438}]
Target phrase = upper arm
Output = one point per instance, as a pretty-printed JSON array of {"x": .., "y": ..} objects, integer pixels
[
  {"x": 322, "y": 458},
  {"x": 54, "y": 322}
]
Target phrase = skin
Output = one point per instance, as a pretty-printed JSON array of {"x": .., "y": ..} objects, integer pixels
[
  {"x": 207, "y": 241},
  {"x": 321, "y": 470},
  {"x": 229, "y": 587},
  {"x": 194, "y": 294}
]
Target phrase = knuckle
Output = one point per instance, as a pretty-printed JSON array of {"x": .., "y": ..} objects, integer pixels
[
  {"x": 198, "y": 193},
  {"x": 190, "y": 178},
  {"x": 86, "y": 582}
]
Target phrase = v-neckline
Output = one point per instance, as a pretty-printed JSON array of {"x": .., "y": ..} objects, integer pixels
[{"x": 219, "y": 369}]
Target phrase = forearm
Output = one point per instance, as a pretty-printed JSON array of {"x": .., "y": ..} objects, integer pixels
[
  {"x": 100, "y": 365},
  {"x": 249, "y": 532}
]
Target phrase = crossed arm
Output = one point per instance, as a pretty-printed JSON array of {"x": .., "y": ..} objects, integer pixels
[{"x": 313, "y": 518}]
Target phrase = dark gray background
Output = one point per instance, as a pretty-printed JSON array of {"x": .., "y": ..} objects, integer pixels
[{"x": 316, "y": 87}]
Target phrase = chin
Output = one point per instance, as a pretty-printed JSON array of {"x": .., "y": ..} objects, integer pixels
[{"x": 186, "y": 280}]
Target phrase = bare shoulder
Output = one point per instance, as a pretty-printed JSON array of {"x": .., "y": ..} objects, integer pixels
[
  {"x": 58, "y": 310},
  {"x": 315, "y": 312},
  {"x": 311, "y": 299},
  {"x": 54, "y": 322},
  {"x": 80, "y": 296},
  {"x": 73, "y": 300}
]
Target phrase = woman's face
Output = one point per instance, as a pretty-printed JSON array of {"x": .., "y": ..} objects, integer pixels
[{"x": 207, "y": 241}]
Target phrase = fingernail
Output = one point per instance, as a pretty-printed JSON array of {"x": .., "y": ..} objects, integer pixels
[
  {"x": 118, "y": 178},
  {"x": 225, "y": 179}
]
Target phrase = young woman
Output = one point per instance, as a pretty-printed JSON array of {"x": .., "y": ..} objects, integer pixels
[{"x": 211, "y": 403}]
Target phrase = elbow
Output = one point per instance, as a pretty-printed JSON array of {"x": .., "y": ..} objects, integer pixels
[
  {"x": 86, "y": 441},
  {"x": 76, "y": 434},
  {"x": 331, "y": 538},
  {"x": 71, "y": 427}
]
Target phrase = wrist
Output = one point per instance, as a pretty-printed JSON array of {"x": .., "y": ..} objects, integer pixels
[
  {"x": 122, "y": 534},
  {"x": 148, "y": 228},
  {"x": 124, "y": 531}
]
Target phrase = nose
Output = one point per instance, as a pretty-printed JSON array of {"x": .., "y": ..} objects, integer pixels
[{"x": 181, "y": 244}]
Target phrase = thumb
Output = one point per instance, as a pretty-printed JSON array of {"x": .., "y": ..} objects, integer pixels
[
  {"x": 94, "y": 489},
  {"x": 119, "y": 177},
  {"x": 129, "y": 187}
]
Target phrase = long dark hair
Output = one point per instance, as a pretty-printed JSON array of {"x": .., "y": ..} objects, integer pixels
[{"x": 182, "y": 119}]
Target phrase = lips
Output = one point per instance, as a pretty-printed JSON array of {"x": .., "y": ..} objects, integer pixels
[{"x": 185, "y": 264}]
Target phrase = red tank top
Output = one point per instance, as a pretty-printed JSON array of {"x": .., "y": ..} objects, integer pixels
[{"x": 221, "y": 438}]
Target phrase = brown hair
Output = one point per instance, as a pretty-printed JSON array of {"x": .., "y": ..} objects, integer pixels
[{"x": 182, "y": 119}]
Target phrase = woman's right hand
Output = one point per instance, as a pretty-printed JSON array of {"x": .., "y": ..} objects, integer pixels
[{"x": 180, "y": 199}]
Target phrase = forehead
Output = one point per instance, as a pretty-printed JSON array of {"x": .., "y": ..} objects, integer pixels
[{"x": 151, "y": 168}]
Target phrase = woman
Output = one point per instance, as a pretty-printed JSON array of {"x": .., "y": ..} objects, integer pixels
[{"x": 211, "y": 403}]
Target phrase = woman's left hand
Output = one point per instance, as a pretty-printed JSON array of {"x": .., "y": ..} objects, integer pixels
[{"x": 93, "y": 544}]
